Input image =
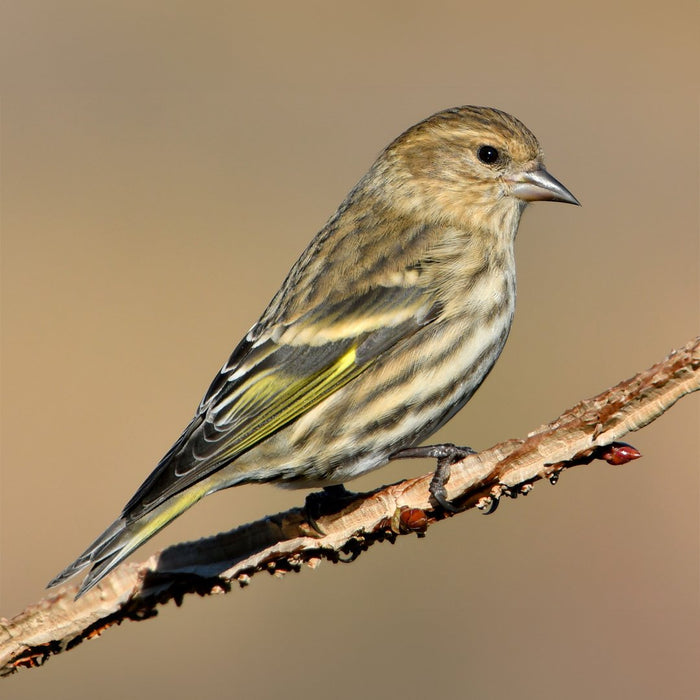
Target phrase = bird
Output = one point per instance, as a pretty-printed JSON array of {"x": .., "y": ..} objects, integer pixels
[{"x": 383, "y": 329}]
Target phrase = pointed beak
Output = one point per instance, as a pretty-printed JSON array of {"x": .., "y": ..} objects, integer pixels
[{"x": 539, "y": 185}]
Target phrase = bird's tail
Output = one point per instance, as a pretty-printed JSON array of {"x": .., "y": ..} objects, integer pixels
[{"x": 123, "y": 536}]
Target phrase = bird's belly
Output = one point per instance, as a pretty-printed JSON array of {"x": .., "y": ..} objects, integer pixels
[{"x": 398, "y": 402}]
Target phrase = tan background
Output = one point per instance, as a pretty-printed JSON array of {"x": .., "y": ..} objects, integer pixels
[{"x": 163, "y": 164}]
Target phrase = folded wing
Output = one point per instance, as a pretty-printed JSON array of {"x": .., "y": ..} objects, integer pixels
[{"x": 277, "y": 374}]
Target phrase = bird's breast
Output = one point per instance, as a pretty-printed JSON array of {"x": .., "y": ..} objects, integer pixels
[{"x": 474, "y": 279}]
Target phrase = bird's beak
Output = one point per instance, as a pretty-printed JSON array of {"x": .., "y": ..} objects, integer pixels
[{"x": 539, "y": 185}]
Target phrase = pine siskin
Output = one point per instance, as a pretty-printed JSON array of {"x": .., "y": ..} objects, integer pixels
[{"x": 383, "y": 329}]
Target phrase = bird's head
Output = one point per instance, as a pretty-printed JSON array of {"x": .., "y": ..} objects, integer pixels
[{"x": 469, "y": 162}]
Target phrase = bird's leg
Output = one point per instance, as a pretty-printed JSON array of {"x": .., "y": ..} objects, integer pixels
[
  {"x": 331, "y": 500},
  {"x": 446, "y": 455}
]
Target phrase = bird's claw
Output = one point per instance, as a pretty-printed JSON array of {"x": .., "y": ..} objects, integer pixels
[{"x": 446, "y": 454}]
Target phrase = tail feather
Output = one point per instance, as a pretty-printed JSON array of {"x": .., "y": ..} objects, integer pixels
[
  {"x": 90, "y": 554},
  {"x": 122, "y": 537}
]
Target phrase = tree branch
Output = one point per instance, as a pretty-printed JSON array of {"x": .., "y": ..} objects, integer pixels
[{"x": 284, "y": 542}]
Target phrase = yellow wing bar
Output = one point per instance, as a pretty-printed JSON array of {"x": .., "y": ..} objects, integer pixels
[{"x": 291, "y": 401}]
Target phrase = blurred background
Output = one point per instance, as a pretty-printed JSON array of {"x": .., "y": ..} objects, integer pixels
[{"x": 164, "y": 163}]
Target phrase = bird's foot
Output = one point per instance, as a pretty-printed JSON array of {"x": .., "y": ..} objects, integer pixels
[
  {"x": 446, "y": 455},
  {"x": 327, "y": 502}
]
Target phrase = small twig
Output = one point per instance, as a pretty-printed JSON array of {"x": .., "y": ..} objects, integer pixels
[{"x": 284, "y": 542}]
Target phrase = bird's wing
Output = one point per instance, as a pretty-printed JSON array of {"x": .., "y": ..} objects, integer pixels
[{"x": 279, "y": 373}]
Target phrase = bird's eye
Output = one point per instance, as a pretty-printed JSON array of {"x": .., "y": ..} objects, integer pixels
[{"x": 487, "y": 154}]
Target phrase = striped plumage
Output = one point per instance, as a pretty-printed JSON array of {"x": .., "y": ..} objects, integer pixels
[{"x": 383, "y": 329}]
